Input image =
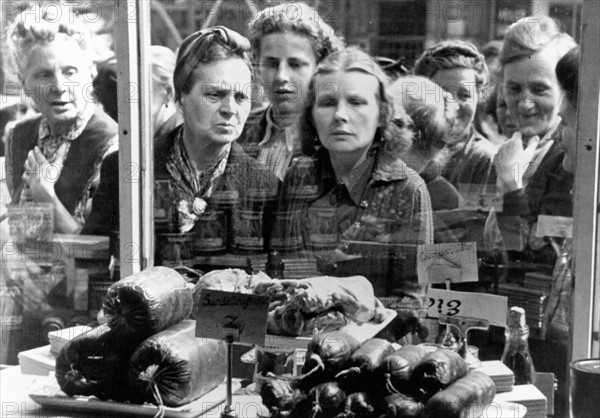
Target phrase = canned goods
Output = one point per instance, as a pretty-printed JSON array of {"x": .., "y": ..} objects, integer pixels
[
  {"x": 286, "y": 236},
  {"x": 583, "y": 395},
  {"x": 248, "y": 231},
  {"x": 175, "y": 249},
  {"x": 211, "y": 232}
]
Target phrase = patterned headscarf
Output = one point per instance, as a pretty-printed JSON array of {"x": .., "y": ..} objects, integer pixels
[{"x": 194, "y": 48}]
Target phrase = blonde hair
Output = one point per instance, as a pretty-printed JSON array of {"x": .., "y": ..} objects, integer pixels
[
  {"x": 163, "y": 65},
  {"x": 527, "y": 36},
  {"x": 297, "y": 18},
  {"x": 29, "y": 29}
]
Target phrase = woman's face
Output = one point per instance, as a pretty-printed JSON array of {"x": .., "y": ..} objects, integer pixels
[
  {"x": 58, "y": 78},
  {"x": 461, "y": 83},
  {"x": 568, "y": 114},
  {"x": 346, "y": 111},
  {"x": 286, "y": 63},
  {"x": 532, "y": 92},
  {"x": 218, "y": 104},
  {"x": 504, "y": 120}
]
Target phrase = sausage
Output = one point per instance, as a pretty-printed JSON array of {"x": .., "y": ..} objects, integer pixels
[
  {"x": 436, "y": 371},
  {"x": 466, "y": 397},
  {"x": 394, "y": 373},
  {"x": 359, "y": 374}
]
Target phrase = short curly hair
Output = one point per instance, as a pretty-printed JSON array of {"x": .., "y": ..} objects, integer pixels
[
  {"x": 34, "y": 27},
  {"x": 452, "y": 54},
  {"x": 298, "y": 18},
  {"x": 527, "y": 36},
  {"x": 394, "y": 132},
  {"x": 425, "y": 103}
]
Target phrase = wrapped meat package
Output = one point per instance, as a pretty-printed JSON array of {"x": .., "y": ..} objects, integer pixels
[
  {"x": 174, "y": 367},
  {"x": 95, "y": 364},
  {"x": 147, "y": 302}
]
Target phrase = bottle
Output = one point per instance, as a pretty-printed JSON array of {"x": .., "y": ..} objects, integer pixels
[
  {"x": 274, "y": 266},
  {"x": 516, "y": 348}
]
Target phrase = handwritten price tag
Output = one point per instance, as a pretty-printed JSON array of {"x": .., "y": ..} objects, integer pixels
[
  {"x": 554, "y": 226},
  {"x": 492, "y": 308},
  {"x": 454, "y": 261},
  {"x": 241, "y": 316}
]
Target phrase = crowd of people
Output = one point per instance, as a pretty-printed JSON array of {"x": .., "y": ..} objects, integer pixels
[{"x": 344, "y": 154}]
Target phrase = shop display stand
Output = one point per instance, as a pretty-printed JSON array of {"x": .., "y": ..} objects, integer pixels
[
  {"x": 228, "y": 411},
  {"x": 464, "y": 325}
]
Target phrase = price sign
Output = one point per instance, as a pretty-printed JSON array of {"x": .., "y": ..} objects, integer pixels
[
  {"x": 454, "y": 261},
  {"x": 554, "y": 226},
  {"x": 492, "y": 308},
  {"x": 241, "y": 316}
]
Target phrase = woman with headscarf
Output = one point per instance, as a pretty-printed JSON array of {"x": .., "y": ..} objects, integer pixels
[
  {"x": 199, "y": 163},
  {"x": 459, "y": 68},
  {"x": 55, "y": 157}
]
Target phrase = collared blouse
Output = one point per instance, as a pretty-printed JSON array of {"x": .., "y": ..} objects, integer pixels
[{"x": 379, "y": 207}]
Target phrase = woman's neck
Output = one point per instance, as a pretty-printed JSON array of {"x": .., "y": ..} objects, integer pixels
[
  {"x": 344, "y": 163},
  {"x": 284, "y": 120},
  {"x": 203, "y": 153}
]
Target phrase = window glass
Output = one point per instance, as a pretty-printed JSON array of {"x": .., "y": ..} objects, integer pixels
[{"x": 302, "y": 176}]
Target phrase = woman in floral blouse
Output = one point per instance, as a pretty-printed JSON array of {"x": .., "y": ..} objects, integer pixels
[{"x": 352, "y": 190}]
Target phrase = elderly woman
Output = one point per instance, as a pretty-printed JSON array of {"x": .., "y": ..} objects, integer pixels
[
  {"x": 288, "y": 40},
  {"x": 199, "y": 168},
  {"x": 531, "y": 178},
  {"x": 353, "y": 187},
  {"x": 55, "y": 157},
  {"x": 459, "y": 68}
]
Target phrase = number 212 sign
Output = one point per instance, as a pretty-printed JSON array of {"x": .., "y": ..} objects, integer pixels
[{"x": 492, "y": 308}]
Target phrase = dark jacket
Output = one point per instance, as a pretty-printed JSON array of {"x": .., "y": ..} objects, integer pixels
[
  {"x": 242, "y": 175},
  {"x": 80, "y": 166}
]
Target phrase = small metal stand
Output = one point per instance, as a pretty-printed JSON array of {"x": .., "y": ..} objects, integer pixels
[
  {"x": 464, "y": 325},
  {"x": 228, "y": 411}
]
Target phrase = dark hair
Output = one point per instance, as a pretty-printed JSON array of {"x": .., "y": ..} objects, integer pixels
[
  {"x": 427, "y": 112},
  {"x": 567, "y": 72},
  {"x": 302, "y": 20},
  {"x": 527, "y": 36},
  {"x": 395, "y": 138},
  {"x": 452, "y": 54},
  {"x": 206, "y": 46}
]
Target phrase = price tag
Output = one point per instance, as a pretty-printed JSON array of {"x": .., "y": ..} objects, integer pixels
[
  {"x": 454, "y": 261},
  {"x": 241, "y": 316},
  {"x": 554, "y": 226},
  {"x": 492, "y": 308}
]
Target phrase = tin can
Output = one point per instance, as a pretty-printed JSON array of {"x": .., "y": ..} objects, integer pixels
[
  {"x": 286, "y": 236},
  {"x": 248, "y": 231},
  {"x": 175, "y": 249},
  {"x": 583, "y": 394},
  {"x": 211, "y": 232}
]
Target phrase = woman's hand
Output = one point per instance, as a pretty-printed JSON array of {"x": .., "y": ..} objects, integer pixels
[
  {"x": 41, "y": 176},
  {"x": 512, "y": 160}
]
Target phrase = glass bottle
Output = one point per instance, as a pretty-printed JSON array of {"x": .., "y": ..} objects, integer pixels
[
  {"x": 274, "y": 266},
  {"x": 516, "y": 348}
]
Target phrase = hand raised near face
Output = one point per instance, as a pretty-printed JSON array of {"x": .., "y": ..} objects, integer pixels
[
  {"x": 512, "y": 160},
  {"x": 41, "y": 175}
]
